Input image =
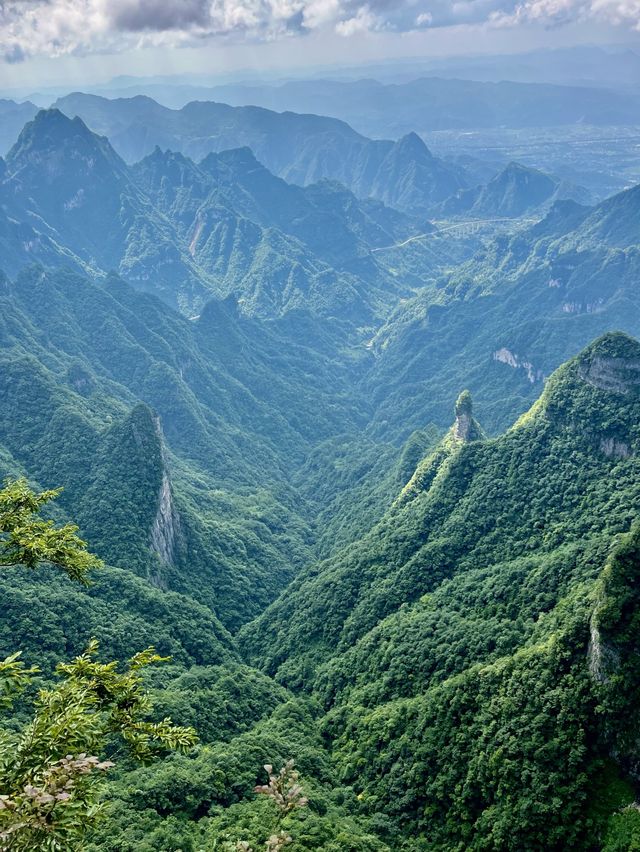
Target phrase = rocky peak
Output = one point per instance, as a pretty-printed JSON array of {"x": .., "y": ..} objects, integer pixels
[
  {"x": 163, "y": 171},
  {"x": 47, "y": 129},
  {"x": 413, "y": 146},
  {"x": 53, "y": 145},
  {"x": 238, "y": 160},
  {"x": 463, "y": 428}
]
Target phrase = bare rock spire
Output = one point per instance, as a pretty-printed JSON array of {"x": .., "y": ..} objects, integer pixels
[{"x": 464, "y": 426}]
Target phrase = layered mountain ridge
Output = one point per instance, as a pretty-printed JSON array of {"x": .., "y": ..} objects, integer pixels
[
  {"x": 301, "y": 148},
  {"x": 450, "y": 96},
  {"x": 75, "y": 198},
  {"x": 252, "y": 419}
]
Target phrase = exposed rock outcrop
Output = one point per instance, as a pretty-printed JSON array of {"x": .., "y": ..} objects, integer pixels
[
  {"x": 615, "y": 448},
  {"x": 464, "y": 417},
  {"x": 465, "y": 428},
  {"x": 506, "y": 356},
  {"x": 582, "y": 307},
  {"x": 165, "y": 529},
  {"x": 612, "y": 374},
  {"x": 602, "y": 659}
]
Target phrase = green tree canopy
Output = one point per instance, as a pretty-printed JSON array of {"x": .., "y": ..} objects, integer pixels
[
  {"x": 49, "y": 768},
  {"x": 29, "y": 540}
]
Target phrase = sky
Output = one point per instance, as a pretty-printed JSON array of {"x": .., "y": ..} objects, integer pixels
[{"x": 51, "y": 42}]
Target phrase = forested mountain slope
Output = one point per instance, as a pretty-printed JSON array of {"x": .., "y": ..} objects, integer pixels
[
  {"x": 231, "y": 396},
  {"x": 457, "y": 648},
  {"x": 503, "y": 321},
  {"x": 481, "y": 633}
]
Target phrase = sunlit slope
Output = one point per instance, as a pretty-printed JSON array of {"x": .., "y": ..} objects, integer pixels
[{"x": 450, "y": 646}]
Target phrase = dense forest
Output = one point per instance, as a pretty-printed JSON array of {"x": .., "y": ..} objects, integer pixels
[{"x": 320, "y": 526}]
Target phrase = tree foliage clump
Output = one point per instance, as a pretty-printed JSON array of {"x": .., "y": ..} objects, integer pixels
[
  {"x": 27, "y": 540},
  {"x": 285, "y": 792},
  {"x": 49, "y": 768}
]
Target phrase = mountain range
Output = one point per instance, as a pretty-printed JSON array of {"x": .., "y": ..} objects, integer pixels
[
  {"x": 482, "y": 96},
  {"x": 301, "y": 148},
  {"x": 304, "y": 149},
  {"x": 431, "y": 313},
  {"x": 370, "y": 483},
  {"x": 188, "y": 231}
]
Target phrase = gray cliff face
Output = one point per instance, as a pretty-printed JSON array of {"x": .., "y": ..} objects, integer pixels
[
  {"x": 462, "y": 427},
  {"x": 621, "y": 375},
  {"x": 602, "y": 660},
  {"x": 164, "y": 531},
  {"x": 614, "y": 448},
  {"x": 511, "y": 359}
]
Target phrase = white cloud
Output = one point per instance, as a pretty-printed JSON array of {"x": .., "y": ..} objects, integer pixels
[
  {"x": 625, "y": 13},
  {"x": 80, "y": 27},
  {"x": 363, "y": 21},
  {"x": 318, "y": 13}
]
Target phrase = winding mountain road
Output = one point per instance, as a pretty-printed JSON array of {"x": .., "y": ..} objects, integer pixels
[{"x": 469, "y": 224}]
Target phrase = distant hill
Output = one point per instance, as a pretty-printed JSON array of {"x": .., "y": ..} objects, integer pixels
[
  {"x": 300, "y": 148},
  {"x": 429, "y": 103},
  {"x": 615, "y": 222},
  {"x": 13, "y": 117},
  {"x": 513, "y": 192}
]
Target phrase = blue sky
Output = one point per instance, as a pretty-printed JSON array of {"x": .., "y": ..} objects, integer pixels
[{"x": 85, "y": 41}]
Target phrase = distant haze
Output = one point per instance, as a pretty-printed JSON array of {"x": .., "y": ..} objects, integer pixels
[{"x": 82, "y": 43}]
